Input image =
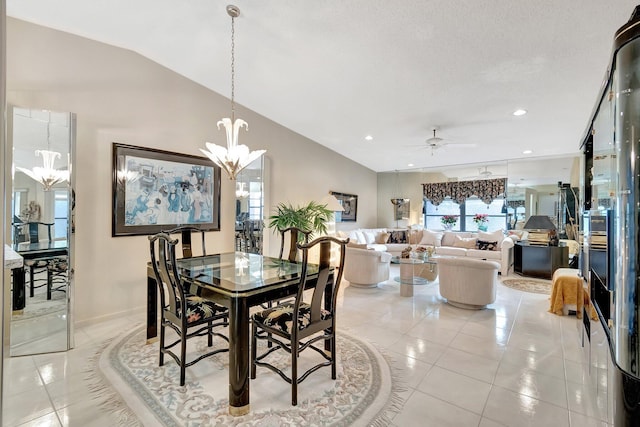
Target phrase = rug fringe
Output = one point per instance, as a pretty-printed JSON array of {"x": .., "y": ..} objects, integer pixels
[
  {"x": 396, "y": 402},
  {"x": 109, "y": 400}
]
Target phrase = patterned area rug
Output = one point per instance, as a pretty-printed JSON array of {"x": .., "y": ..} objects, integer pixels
[
  {"x": 537, "y": 286},
  {"x": 39, "y": 305},
  {"x": 126, "y": 378}
]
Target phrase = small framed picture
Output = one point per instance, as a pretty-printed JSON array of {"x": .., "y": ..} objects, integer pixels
[
  {"x": 155, "y": 190},
  {"x": 349, "y": 203}
]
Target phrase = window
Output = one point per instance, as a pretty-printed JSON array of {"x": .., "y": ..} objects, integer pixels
[
  {"x": 60, "y": 213},
  {"x": 466, "y": 212},
  {"x": 433, "y": 214}
]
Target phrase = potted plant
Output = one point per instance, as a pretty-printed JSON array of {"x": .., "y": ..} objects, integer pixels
[
  {"x": 312, "y": 216},
  {"x": 481, "y": 221},
  {"x": 448, "y": 221}
]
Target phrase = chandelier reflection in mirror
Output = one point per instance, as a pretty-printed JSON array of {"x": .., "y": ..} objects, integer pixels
[
  {"x": 47, "y": 175},
  {"x": 234, "y": 157}
]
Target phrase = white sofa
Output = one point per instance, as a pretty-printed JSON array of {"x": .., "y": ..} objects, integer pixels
[
  {"x": 365, "y": 267},
  {"x": 467, "y": 282},
  {"x": 451, "y": 243}
]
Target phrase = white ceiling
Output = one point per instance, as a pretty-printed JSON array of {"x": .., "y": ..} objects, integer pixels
[{"x": 338, "y": 70}]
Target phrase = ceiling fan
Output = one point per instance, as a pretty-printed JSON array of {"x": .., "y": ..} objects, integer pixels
[
  {"x": 482, "y": 174},
  {"x": 436, "y": 143}
]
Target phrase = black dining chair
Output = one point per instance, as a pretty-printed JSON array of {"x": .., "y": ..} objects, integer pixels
[
  {"x": 297, "y": 325},
  {"x": 50, "y": 266},
  {"x": 186, "y": 232},
  {"x": 188, "y": 315},
  {"x": 296, "y": 235}
]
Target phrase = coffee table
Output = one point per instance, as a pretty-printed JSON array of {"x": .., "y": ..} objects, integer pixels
[{"x": 415, "y": 271}]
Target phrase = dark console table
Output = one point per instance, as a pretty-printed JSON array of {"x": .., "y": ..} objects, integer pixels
[{"x": 539, "y": 261}]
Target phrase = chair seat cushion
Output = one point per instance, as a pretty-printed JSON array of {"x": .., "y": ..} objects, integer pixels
[
  {"x": 281, "y": 316},
  {"x": 199, "y": 308},
  {"x": 58, "y": 265}
]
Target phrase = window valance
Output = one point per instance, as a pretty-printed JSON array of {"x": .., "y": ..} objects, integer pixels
[
  {"x": 485, "y": 189},
  {"x": 515, "y": 204}
]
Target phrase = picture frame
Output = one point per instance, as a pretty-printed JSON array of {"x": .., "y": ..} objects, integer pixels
[
  {"x": 401, "y": 210},
  {"x": 156, "y": 190},
  {"x": 349, "y": 203}
]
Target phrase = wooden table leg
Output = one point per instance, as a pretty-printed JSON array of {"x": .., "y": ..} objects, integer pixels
[{"x": 19, "y": 292}]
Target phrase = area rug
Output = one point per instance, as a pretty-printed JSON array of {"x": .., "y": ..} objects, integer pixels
[
  {"x": 39, "y": 305},
  {"x": 537, "y": 286},
  {"x": 126, "y": 378}
]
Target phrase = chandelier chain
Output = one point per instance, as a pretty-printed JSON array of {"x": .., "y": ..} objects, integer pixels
[{"x": 233, "y": 68}]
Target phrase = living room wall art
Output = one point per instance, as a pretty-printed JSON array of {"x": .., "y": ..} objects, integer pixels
[
  {"x": 401, "y": 210},
  {"x": 156, "y": 190},
  {"x": 349, "y": 203}
]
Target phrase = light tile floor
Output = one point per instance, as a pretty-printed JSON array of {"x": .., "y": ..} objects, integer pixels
[{"x": 513, "y": 364}]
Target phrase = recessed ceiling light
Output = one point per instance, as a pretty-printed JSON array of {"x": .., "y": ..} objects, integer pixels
[
  {"x": 410, "y": 165},
  {"x": 520, "y": 112},
  {"x": 527, "y": 152},
  {"x": 368, "y": 138}
]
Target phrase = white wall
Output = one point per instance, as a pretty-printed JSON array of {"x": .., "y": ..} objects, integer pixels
[
  {"x": 403, "y": 185},
  {"x": 120, "y": 96}
]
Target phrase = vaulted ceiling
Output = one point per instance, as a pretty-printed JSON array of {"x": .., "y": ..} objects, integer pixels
[{"x": 336, "y": 71}]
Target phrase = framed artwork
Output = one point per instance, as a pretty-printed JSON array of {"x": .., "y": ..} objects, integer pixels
[
  {"x": 349, "y": 203},
  {"x": 401, "y": 210},
  {"x": 156, "y": 190}
]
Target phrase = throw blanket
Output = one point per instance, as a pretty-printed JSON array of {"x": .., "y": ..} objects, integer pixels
[{"x": 568, "y": 289}]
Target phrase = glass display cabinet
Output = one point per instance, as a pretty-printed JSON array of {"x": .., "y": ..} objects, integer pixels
[{"x": 611, "y": 218}]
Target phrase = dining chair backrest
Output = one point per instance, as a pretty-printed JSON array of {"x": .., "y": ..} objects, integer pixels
[
  {"x": 326, "y": 274},
  {"x": 186, "y": 232},
  {"x": 249, "y": 236},
  {"x": 163, "y": 260},
  {"x": 296, "y": 235}
]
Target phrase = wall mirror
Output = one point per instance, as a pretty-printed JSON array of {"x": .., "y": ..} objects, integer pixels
[
  {"x": 547, "y": 187},
  {"x": 39, "y": 225},
  {"x": 539, "y": 186},
  {"x": 250, "y": 208}
]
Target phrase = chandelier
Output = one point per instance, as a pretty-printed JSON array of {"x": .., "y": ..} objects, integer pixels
[
  {"x": 47, "y": 175},
  {"x": 234, "y": 157},
  {"x": 241, "y": 193}
]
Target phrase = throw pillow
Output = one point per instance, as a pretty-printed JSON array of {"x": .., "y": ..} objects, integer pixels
[
  {"x": 486, "y": 246},
  {"x": 415, "y": 236},
  {"x": 382, "y": 238},
  {"x": 369, "y": 237},
  {"x": 465, "y": 242},
  {"x": 494, "y": 236},
  {"x": 357, "y": 245},
  {"x": 398, "y": 237},
  {"x": 431, "y": 238}
]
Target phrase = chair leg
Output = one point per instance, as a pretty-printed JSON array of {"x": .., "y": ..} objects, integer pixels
[
  {"x": 31, "y": 287},
  {"x": 210, "y": 334},
  {"x": 183, "y": 355},
  {"x": 333, "y": 355},
  {"x": 49, "y": 282},
  {"x": 161, "y": 356},
  {"x": 254, "y": 330},
  {"x": 294, "y": 373}
]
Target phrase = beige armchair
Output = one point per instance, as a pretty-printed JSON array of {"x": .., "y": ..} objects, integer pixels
[
  {"x": 365, "y": 267},
  {"x": 467, "y": 282}
]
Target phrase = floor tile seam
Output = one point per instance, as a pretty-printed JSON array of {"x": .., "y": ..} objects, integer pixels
[
  {"x": 515, "y": 318},
  {"x": 534, "y": 371},
  {"x": 481, "y": 338},
  {"x": 463, "y": 375},
  {"x": 488, "y": 359},
  {"x": 451, "y": 403},
  {"x": 535, "y": 398}
]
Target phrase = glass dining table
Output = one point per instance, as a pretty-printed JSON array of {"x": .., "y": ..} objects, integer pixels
[
  {"x": 33, "y": 251},
  {"x": 238, "y": 281}
]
